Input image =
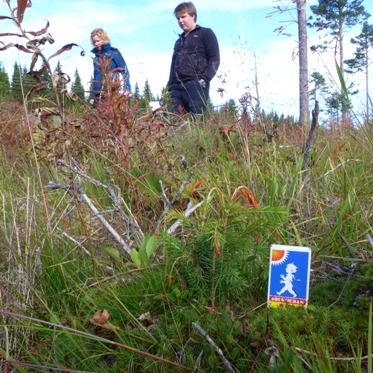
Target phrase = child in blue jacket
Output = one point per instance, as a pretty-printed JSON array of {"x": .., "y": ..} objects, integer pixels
[{"x": 108, "y": 62}]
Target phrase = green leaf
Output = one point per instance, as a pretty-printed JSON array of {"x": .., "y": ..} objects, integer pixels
[
  {"x": 151, "y": 246},
  {"x": 112, "y": 251},
  {"x": 177, "y": 292},
  {"x": 135, "y": 258}
]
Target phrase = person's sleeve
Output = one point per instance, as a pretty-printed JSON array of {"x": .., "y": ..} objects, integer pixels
[
  {"x": 172, "y": 72},
  {"x": 122, "y": 67},
  {"x": 96, "y": 86},
  {"x": 212, "y": 55}
]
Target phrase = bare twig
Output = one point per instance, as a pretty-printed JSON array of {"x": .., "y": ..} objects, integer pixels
[
  {"x": 171, "y": 203},
  {"x": 76, "y": 190},
  {"x": 370, "y": 240},
  {"x": 311, "y": 135},
  {"x": 349, "y": 248},
  {"x": 190, "y": 209},
  {"x": 353, "y": 268},
  {"x": 82, "y": 197},
  {"x": 213, "y": 344},
  {"x": 80, "y": 244},
  {"x": 339, "y": 165},
  {"x": 331, "y": 357},
  {"x": 164, "y": 192}
]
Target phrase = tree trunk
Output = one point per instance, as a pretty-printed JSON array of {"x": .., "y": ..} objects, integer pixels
[
  {"x": 367, "y": 85},
  {"x": 341, "y": 65},
  {"x": 304, "y": 113}
]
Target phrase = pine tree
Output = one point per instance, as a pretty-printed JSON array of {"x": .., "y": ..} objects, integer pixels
[
  {"x": 319, "y": 84},
  {"x": 304, "y": 112},
  {"x": 335, "y": 16},
  {"x": 4, "y": 82},
  {"x": 361, "y": 61}
]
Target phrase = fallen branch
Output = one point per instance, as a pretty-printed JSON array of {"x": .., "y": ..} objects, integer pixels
[
  {"x": 170, "y": 204},
  {"x": 370, "y": 240},
  {"x": 82, "y": 197},
  {"x": 213, "y": 344},
  {"x": 80, "y": 244},
  {"x": 350, "y": 272},
  {"x": 349, "y": 248},
  {"x": 334, "y": 358},
  {"x": 114, "y": 192},
  {"x": 132, "y": 230},
  {"x": 190, "y": 209},
  {"x": 339, "y": 165}
]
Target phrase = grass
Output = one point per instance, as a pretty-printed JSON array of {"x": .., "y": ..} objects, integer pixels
[
  {"x": 213, "y": 271},
  {"x": 75, "y": 298}
]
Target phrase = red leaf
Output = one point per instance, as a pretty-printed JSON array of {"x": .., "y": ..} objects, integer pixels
[
  {"x": 40, "y": 32},
  {"x": 21, "y": 9},
  {"x": 65, "y": 48},
  {"x": 11, "y": 34},
  {"x": 246, "y": 196},
  {"x": 19, "y": 47}
]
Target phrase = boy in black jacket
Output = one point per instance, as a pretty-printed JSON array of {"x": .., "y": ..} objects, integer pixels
[{"x": 195, "y": 61}]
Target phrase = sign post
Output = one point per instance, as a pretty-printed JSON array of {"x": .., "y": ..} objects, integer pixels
[{"x": 289, "y": 276}]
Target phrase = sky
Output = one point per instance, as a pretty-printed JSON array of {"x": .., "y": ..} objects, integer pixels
[{"x": 255, "y": 60}]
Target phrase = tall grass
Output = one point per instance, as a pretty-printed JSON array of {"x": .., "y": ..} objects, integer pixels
[
  {"x": 72, "y": 300},
  {"x": 212, "y": 270}
]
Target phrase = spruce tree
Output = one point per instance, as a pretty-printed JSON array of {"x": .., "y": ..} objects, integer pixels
[
  {"x": 16, "y": 89},
  {"x": 4, "y": 82},
  {"x": 136, "y": 92},
  {"x": 147, "y": 93},
  {"x": 77, "y": 86},
  {"x": 28, "y": 81}
]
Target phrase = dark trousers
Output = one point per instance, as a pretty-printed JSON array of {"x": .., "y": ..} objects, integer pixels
[{"x": 189, "y": 97}]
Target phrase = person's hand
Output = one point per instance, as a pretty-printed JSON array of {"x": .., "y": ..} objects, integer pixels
[
  {"x": 91, "y": 101},
  {"x": 202, "y": 82}
]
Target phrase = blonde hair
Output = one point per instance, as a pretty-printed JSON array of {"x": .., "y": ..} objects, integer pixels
[{"x": 102, "y": 34}]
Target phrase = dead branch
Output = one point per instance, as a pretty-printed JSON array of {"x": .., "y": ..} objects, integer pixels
[
  {"x": 171, "y": 203},
  {"x": 370, "y": 240},
  {"x": 311, "y": 135},
  {"x": 82, "y": 197},
  {"x": 80, "y": 244},
  {"x": 351, "y": 271},
  {"x": 332, "y": 357},
  {"x": 213, "y": 344},
  {"x": 190, "y": 209},
  {"x": 132, "y": 232},
  {"x": 349, "y": 248}
]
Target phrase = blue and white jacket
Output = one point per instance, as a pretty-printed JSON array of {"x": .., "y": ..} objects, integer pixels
[{"x": 116, "y": 65}]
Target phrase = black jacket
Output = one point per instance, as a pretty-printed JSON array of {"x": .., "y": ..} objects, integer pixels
[{"x": 196, "y": 56}]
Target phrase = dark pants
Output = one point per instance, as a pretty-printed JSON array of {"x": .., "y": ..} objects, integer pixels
[{"x": 189, "y": 97}]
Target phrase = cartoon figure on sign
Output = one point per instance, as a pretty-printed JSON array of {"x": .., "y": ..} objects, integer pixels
[{"x": 288, "y": 280}]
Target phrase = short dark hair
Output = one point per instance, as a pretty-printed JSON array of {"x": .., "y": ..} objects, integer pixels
[{"x": 186, "y": 7}]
